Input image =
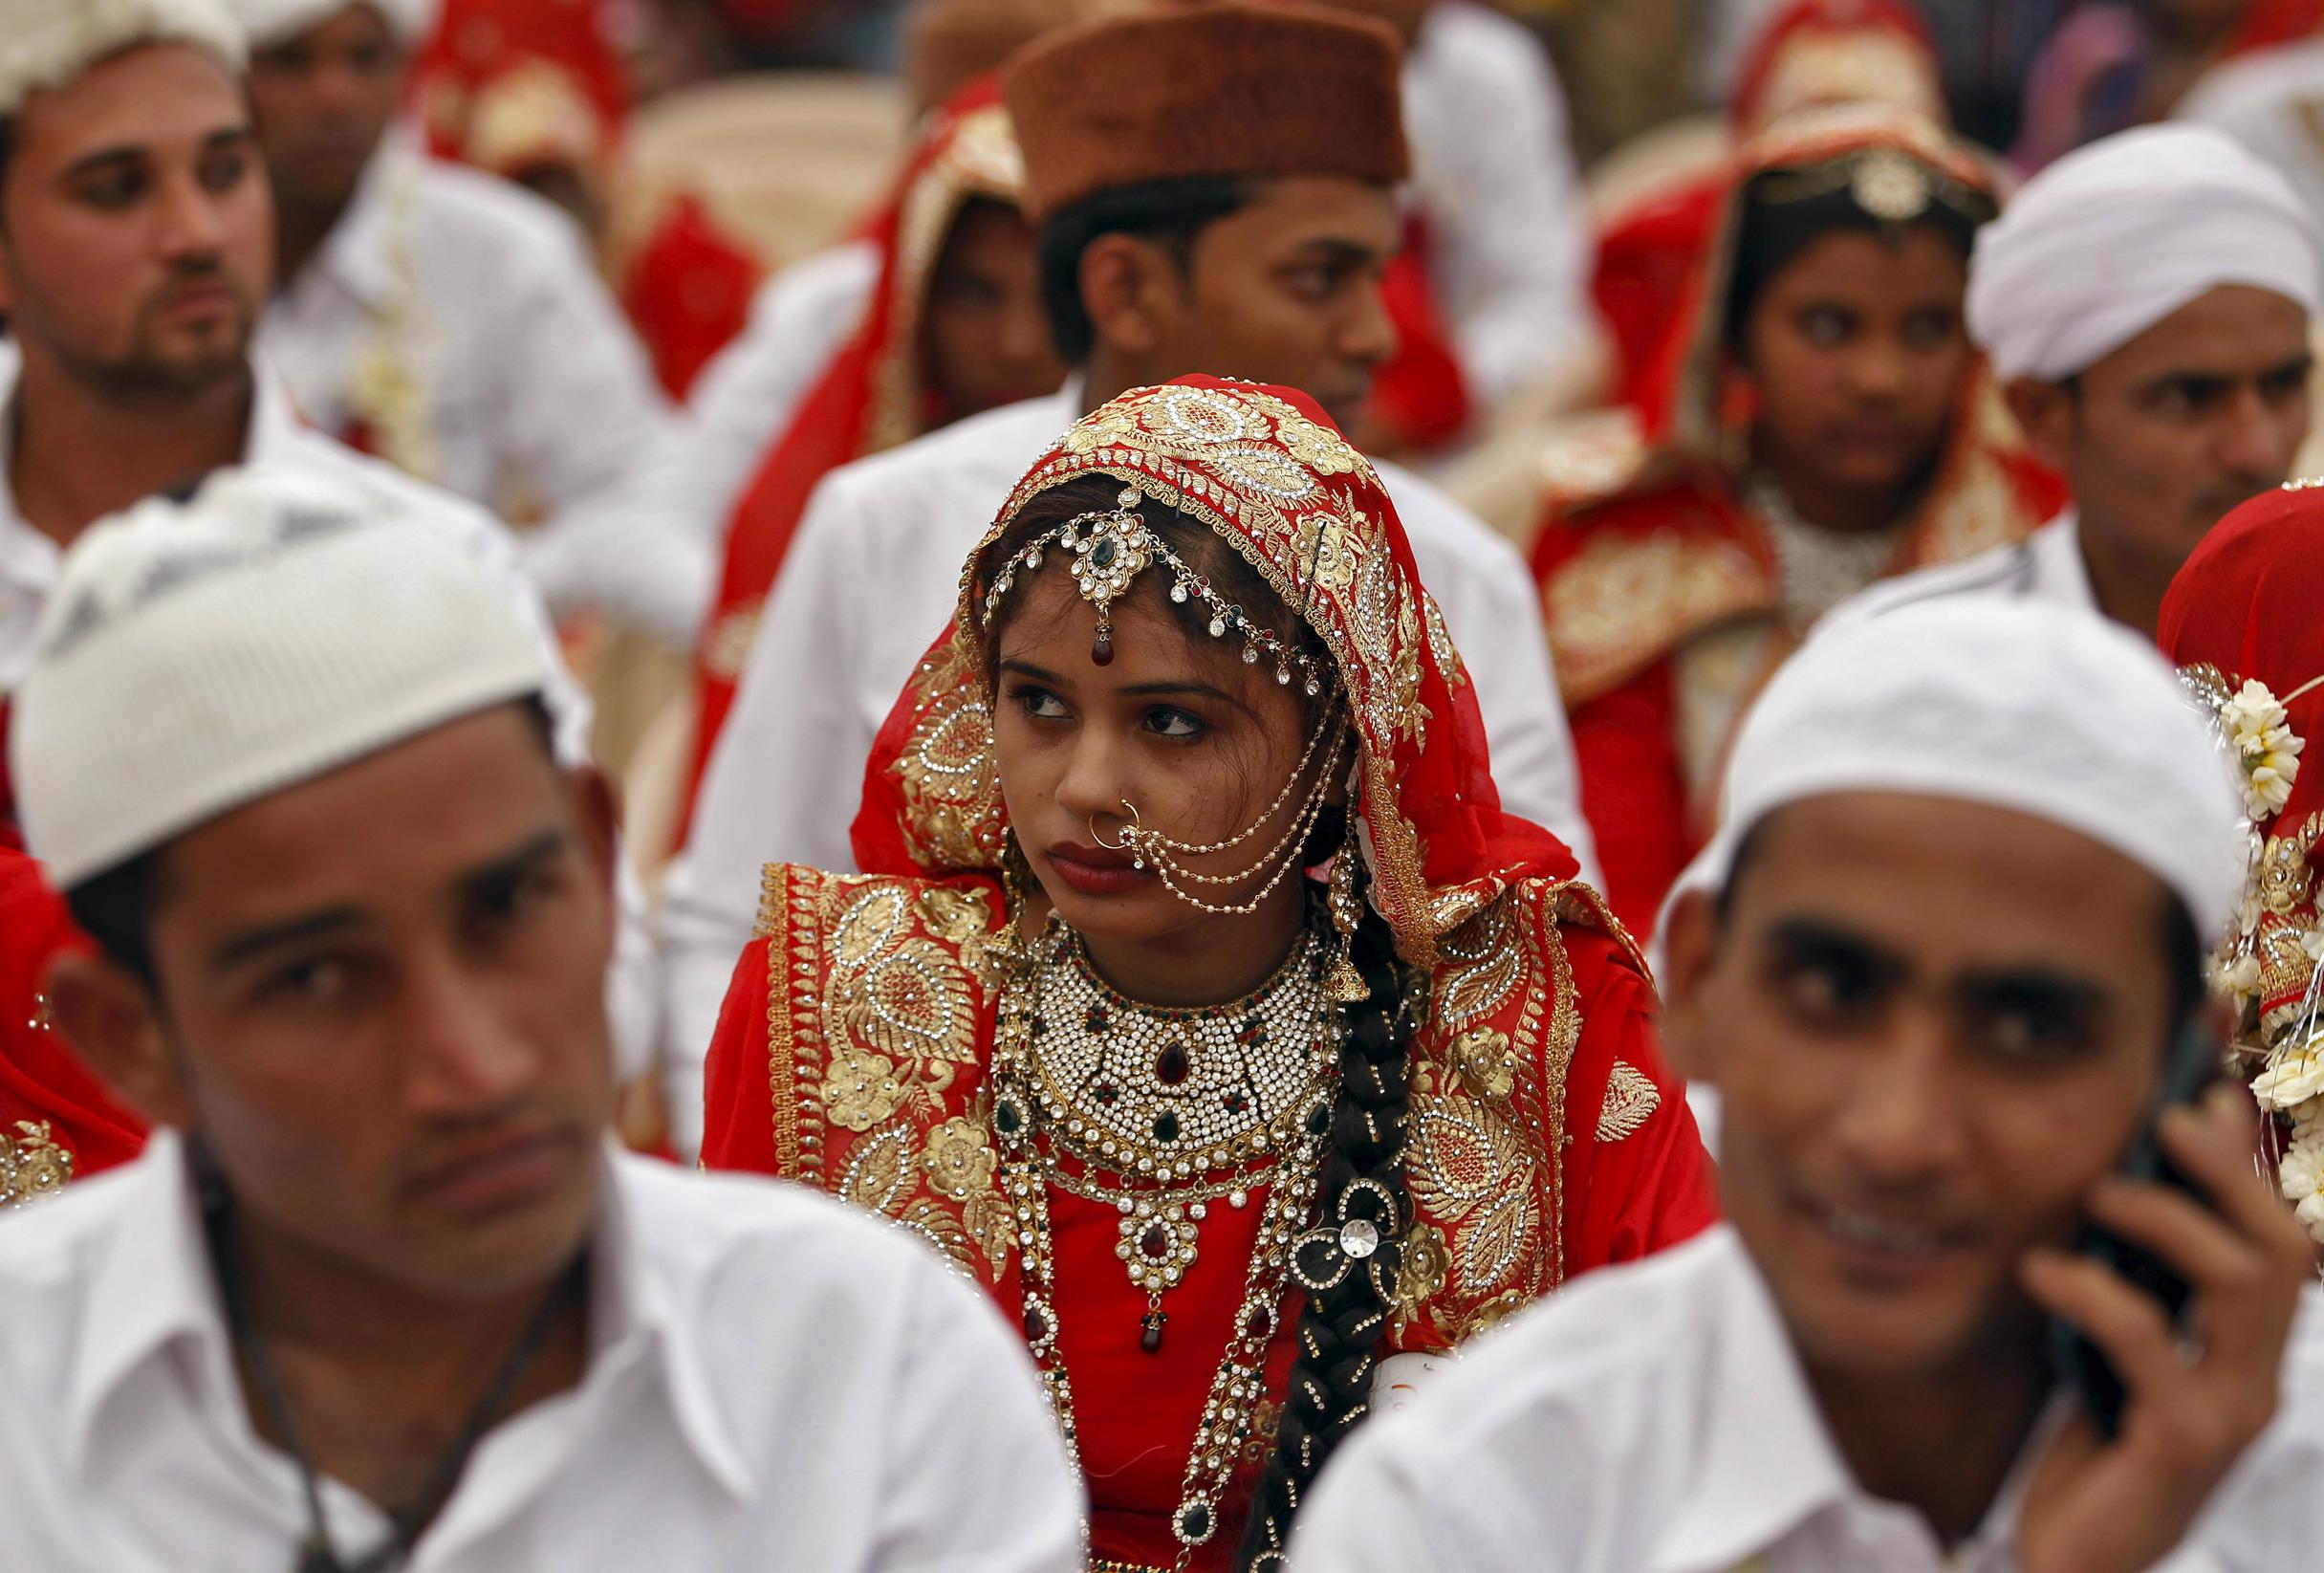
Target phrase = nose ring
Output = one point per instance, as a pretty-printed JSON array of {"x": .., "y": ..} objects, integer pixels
[{"x": 1129, "y": 832}]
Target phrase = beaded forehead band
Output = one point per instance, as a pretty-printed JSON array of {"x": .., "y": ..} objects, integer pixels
[{"x": 1111, "y": 548}]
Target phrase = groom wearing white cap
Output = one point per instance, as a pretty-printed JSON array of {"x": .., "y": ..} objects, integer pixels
[
  {"x": 2146, "y": 303},
  {"x": 1940, "y": 962},
  {"x": 379, "y": 1296}
]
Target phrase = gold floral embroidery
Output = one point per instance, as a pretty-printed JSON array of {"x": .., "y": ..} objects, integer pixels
[
  {"x": 1468, "y": 1170},
  {"x": 1622, "y": 602},
  {"x": 880, "y": 997},
  {"x": 1631, "y": 1097},
  {"x": 1426, "y": 1266},
  {"x": 1324, "y": 543},
  {"x": 1486, "y": 1066},
  {"x": 31, "y": 1164},
  {"x": 952, "y": 811},
  {"x": 1486, "y": 1315},
  {"x": 860, "y": 1089},
  {"x": 959, "y": 1159},
  {"x": 878, "y": 1170}
]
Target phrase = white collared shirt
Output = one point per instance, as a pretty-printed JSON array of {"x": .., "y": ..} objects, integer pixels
[
  {"x": 31, "y": 561},
  {"x": 2046, "y": 566},
  {"x": 752, "y": 390},
  {"x": 1653, "y": 1418},
  {"x": 873, "y": 576},
  {"x": 532, "y": 384},
  {"x": 774, "y": 1380}
]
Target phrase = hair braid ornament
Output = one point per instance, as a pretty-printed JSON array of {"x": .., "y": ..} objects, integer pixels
[{"x": 1349, "y": 1261}]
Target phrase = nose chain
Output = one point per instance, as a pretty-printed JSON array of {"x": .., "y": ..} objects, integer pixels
[{"x": 1166, "y": 855}]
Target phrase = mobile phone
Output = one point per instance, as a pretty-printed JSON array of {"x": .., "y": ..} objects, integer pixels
[{"x": 2193, "y": 1066}]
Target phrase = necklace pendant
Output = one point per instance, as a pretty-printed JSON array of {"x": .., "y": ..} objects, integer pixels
[
  {"x": 1157, "y": 1245},
  {"x": 1149, "y": 1337}
]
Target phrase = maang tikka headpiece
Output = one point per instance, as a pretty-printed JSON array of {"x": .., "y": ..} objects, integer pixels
[{"x": 1111, "y": 548}]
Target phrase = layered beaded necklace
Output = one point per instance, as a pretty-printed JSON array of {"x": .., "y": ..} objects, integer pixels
[{"x": 1159, "y": 1113}]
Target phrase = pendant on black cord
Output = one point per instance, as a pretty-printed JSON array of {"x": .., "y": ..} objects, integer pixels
[
  {"x": 316, "y": 1555},
  {"x": 1150, "y": 1339}
]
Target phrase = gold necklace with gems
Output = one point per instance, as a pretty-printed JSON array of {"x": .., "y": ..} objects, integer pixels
[{"x": 1178, "y": 1107}]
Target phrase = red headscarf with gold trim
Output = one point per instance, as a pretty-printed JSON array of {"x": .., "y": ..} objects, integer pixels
[
  {"x": 2244, "y": 608},
  {"x": 1266, "y": 469}
]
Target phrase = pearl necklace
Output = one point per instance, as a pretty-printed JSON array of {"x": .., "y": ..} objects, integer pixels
[{"x": 1287, "y": 1076}]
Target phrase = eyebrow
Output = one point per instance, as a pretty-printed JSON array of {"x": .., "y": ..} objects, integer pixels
[
  {"x": 2037, "y": 985},
  {"x": 231, "y": 136},
  {"x": 254, "y": 944},
  {"x": 1333, "y": 249},
  {"x": 1813, "y": 937}
]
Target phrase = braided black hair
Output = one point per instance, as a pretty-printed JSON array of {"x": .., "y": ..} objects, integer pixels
[{"x": 1330, "y": 1386}]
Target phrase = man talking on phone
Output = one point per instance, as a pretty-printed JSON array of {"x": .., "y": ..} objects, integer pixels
[{"x": 1942, "y": 964}]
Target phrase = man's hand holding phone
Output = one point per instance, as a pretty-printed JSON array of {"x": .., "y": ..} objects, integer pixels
[{"x": 2199, "y": 1389}]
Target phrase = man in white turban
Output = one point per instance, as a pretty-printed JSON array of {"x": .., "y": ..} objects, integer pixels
[
  {"x": 455, "y": 324},
  {"x": 1942, "y": 961},
  {"x": 2146, "y": 303},
  {"x": 377, "y": 1293}
]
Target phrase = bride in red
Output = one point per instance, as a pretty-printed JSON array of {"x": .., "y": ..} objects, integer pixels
[{"x": 1225, "y": 1128}]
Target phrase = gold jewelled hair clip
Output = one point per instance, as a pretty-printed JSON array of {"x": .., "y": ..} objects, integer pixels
[{"x": 1110, "y": 550}]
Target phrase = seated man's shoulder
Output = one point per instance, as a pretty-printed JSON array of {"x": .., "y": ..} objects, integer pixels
[
  {"x": 1560, "y": 1422},
  {"x": 2001, "y": 570}
]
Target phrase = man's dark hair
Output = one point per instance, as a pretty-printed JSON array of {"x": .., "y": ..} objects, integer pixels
[
  {"x": 8, "y": 157},
  {"x": 2182, "y": 944},
  {"x": 115, "y": 907},
  {"x": 1171, "y": 213}
]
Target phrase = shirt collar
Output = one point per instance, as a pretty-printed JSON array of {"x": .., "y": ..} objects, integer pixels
[
  {"x": 151, "y": 1287},
  {"x": 2057, "y": 560},
  {"x": 154, "y": 1287},
  {"x": 1767, "y": 1463},
  {"x": 656, "y": 1315}
]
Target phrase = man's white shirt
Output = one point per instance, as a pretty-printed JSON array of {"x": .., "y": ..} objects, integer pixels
[
  {"x": 30, "y": 563},
  {"x": 2046, "y": 566},
  {"x": 530, "y": 380},
  {"x": 773, "y": 1381},
  {"x": 1653, "y": 1418},
  {"x": 752, "y": 390},
  {"x": 872, "y": 579}
]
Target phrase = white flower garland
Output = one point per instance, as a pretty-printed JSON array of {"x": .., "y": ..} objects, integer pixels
[{"x": 2256, "y": 730}]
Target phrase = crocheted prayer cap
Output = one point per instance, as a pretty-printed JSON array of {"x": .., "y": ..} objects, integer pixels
[
  {"x": 47, "y": 44},
  {"x": 1220, "y": 90},
  {"x": 197, "y": 657}
]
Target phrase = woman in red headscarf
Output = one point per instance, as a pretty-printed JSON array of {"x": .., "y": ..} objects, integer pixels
[
  {"x": 56, "y": 1120},
  {"x": 1199, "y": 999},
  {"x": 1810, "y": 53},
  {"x": 921, "y": 359},
  {"x": 2240, "y": 621},
  {"x": 1820, "y": 421}
]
